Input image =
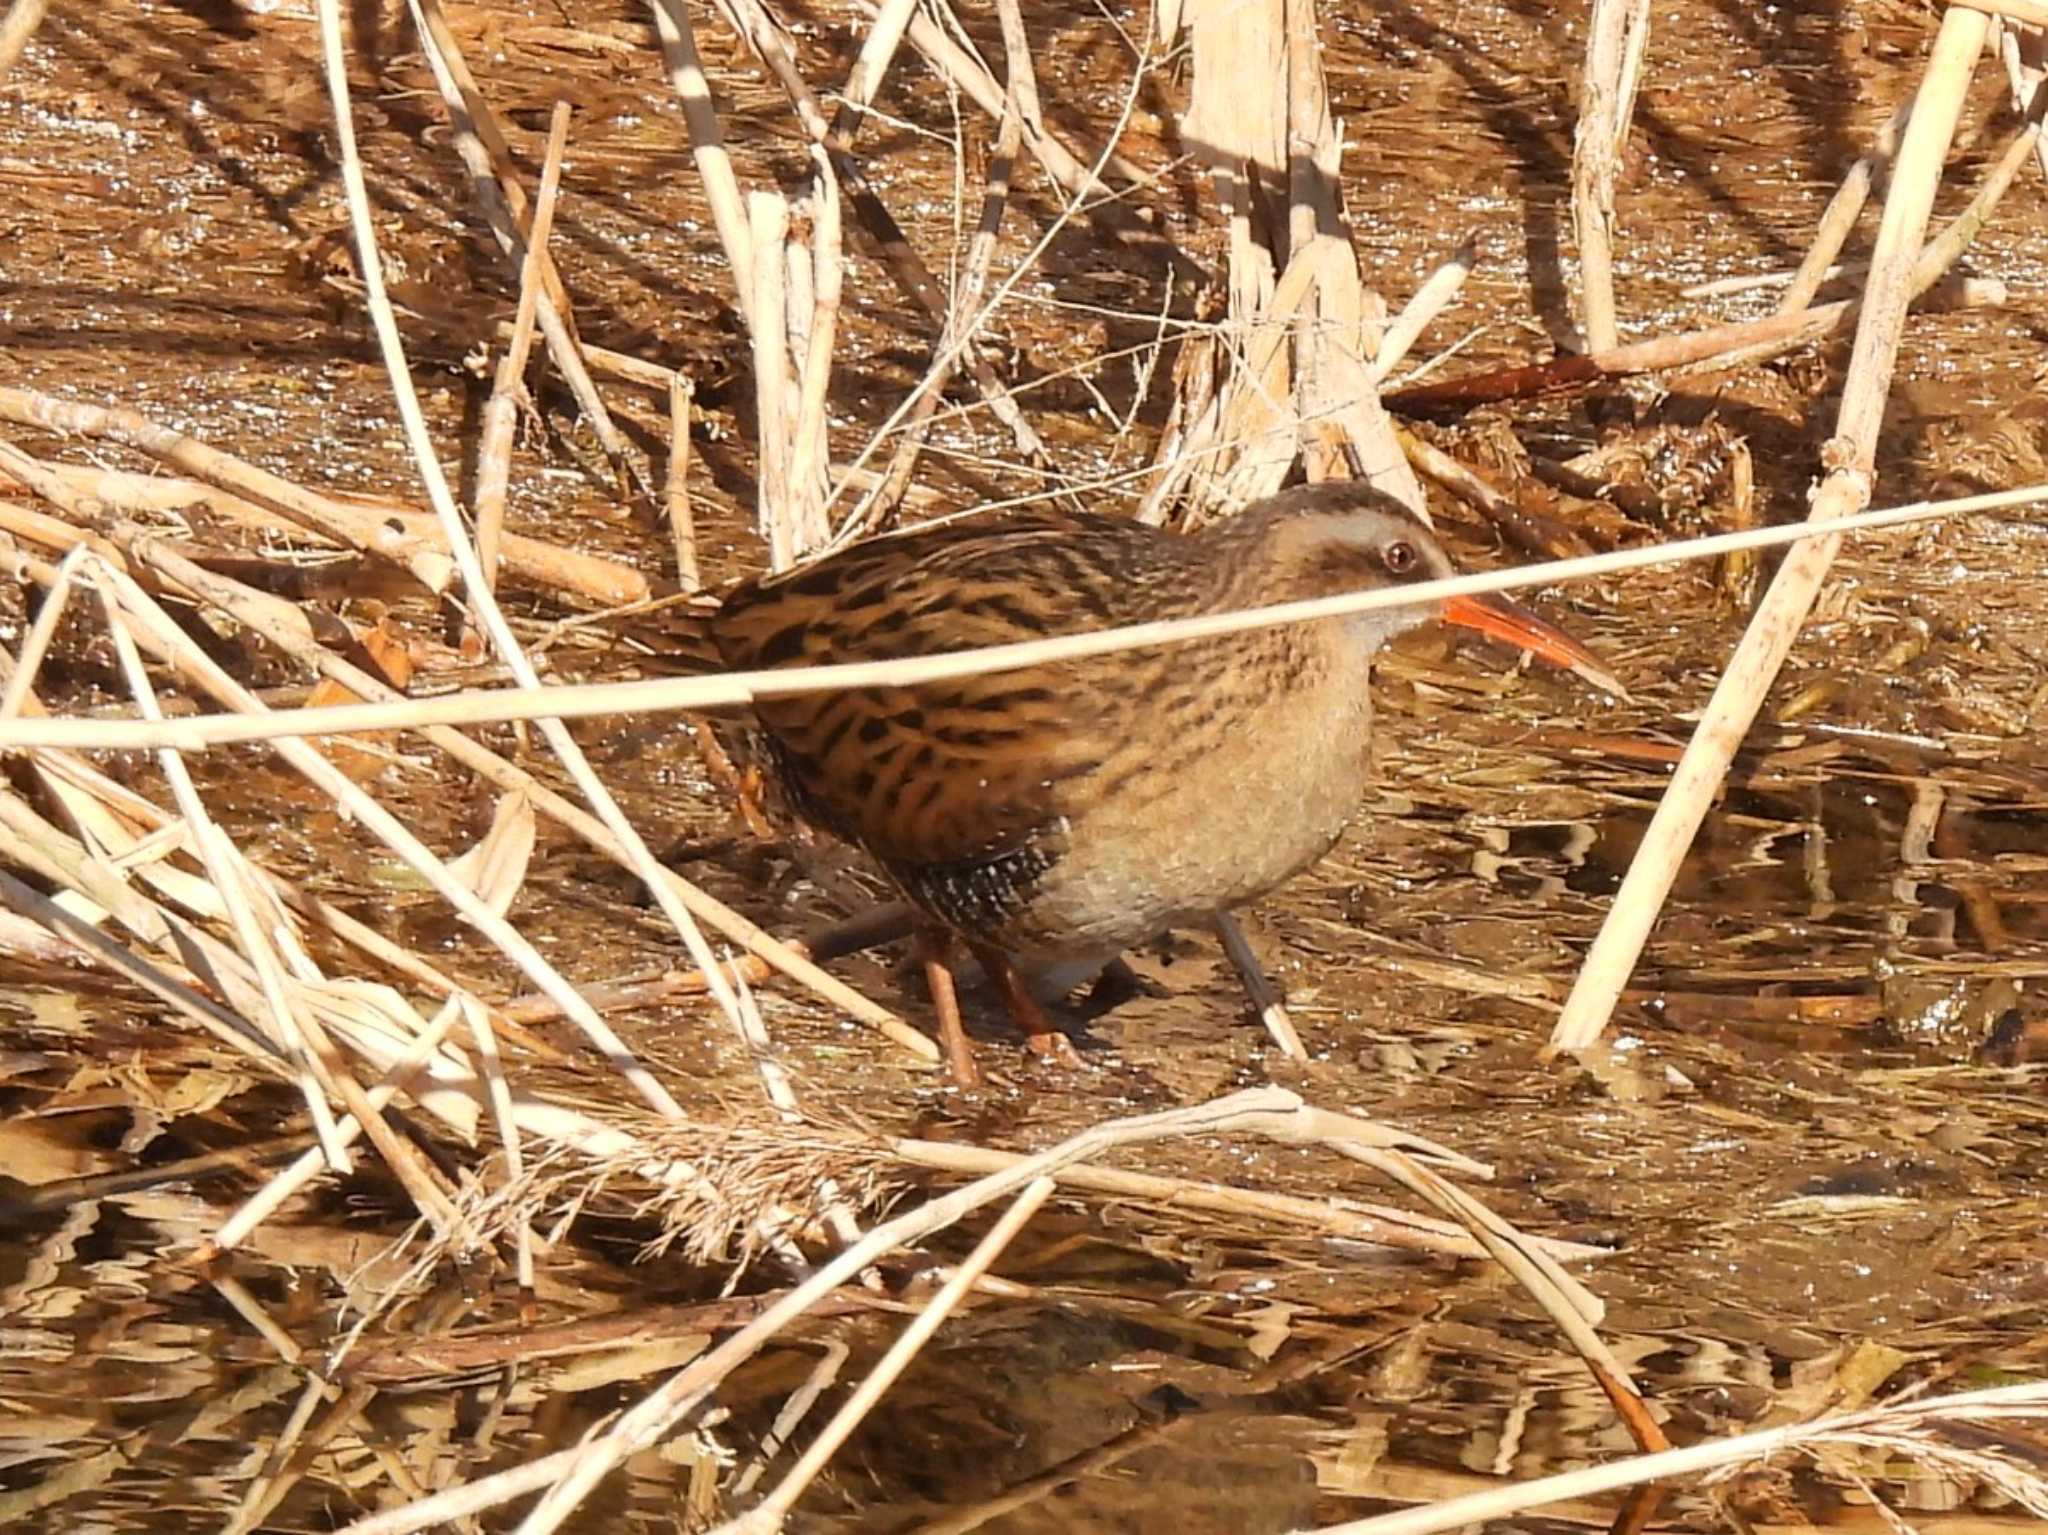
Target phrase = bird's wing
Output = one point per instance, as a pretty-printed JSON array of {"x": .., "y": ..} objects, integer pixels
[{"x": 957, "y": 771}]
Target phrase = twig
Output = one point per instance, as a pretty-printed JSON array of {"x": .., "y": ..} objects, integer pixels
[
  {"x": 707, "y": 145},
  {"x": 346, "y": 525},
  {"x": 1379, "y": 1224},
  {"x": 1723, "y": 346},
  {"x": 883, "y": 497},
  {"x": 809, "y": 456},
  {"x": 1850, "y": 458},
  {"x": 768, "y": 323},
  {"x": 607, "y": 583},
  {"x": 1067, "y": 168}
]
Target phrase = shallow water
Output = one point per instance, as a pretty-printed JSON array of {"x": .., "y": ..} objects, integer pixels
[{"x": 1811, "y": 1138}]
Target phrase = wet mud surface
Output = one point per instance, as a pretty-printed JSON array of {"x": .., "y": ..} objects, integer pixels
[{"x": 1812, "y": 1137}]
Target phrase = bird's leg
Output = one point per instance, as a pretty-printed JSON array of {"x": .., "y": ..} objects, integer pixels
[
  {"x": 1118, "y": 982},
  {"x": 1038, "y": 1030},
  {"x": 932, "y": 945},
  {"x": 744, "y": 785},
  {"x": 1264, "y": 994}
]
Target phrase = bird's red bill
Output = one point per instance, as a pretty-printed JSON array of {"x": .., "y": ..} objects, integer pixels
[{"x": 1512, "y": 624}]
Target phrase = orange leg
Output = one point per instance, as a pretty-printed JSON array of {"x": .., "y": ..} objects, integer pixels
[
  {"x": 1038, "y": 1029},
  {"x": 932, "y": 944}
]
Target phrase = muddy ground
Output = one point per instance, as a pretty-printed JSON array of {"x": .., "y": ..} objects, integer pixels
[{"x": 1814, "y": 1145}]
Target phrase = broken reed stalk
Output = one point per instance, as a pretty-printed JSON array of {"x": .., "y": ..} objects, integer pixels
[
  {"x": 707, "y": 145},
  {"x": 682, "y": 522},
  {"x": 775, "y": 48},
  {"x": 1429, "y": 301},
  {"x": 1850, "y": 459},
  {"x": 1842, "y": 211},
  {"x": 501, "y": 411},
  {"x": 1382, "y": 1225},
  {"x": 961, "y": 344},
  {"x": 1079, "y": 176},
  {"x": 591, "y": 700},
  {"x": 1265, "y": 996},
  {"x": 810, "y": 458},
  {"x": 1615, "y": 38},
  {"x": 1723, "y": 346}
]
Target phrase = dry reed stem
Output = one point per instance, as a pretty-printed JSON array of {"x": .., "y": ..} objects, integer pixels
[
  {"x": 961, "y": 344},
  {"x": 345, "y": 524},
  {"x": 1721, "y": 346},
  {"x": 1850, "y": 458},
  {"x": 658, "y": 1413},
  {"x": 35, "y": 644},
  {"x": 768, "y": 325},
  {"x": 396, "y": 1078},
  {"x": 480, "y": 145},
  {"x": 1379, "y": 1224},
  {"x": 606, "y": 582},
  {"x": 776, "y": 1507},
  {"x": 586, "y": 701},
  {"x": 315, "y": 1076},
  {"x": 1078, "y": 176},
  {"x": 381, "y": 823},
  {"x": 2001, "y": 1402},
  {"x": 1842, "y": 210},
  {"x": 773, "y": 46},
  {"x": 501, "y": 411},
  {"x": 824, "y": 1375},
  {"x": 1615, "y": 35},
  {"x": 2033, "y": 13},
  {"x": 877, "y": 51},
  {"x": 2024, "y": 74}
]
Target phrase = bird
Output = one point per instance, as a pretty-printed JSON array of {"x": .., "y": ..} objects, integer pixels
[{"x": 1054, "y": 816}]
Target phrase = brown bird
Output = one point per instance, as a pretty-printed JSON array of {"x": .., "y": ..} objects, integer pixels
[{"x": 1053, "y": 817}]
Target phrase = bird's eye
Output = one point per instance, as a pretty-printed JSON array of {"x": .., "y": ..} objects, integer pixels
[{"x": 1399, "y": 557}]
